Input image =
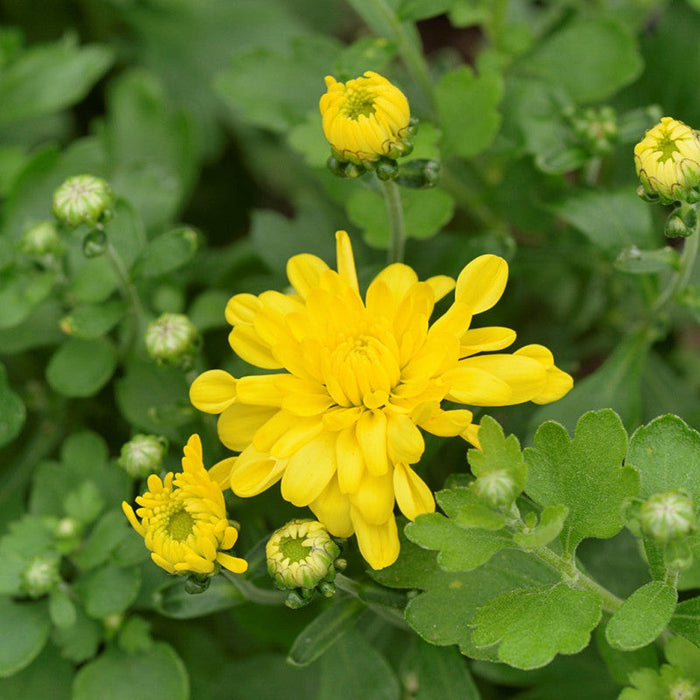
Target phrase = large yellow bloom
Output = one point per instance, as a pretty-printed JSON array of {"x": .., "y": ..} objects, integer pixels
[
  {"x": 365, "y": 118},
  {"x": 667, "y": 160},
  {"x": 339, "y": 421},
  {"x": 183, "y": 519}
]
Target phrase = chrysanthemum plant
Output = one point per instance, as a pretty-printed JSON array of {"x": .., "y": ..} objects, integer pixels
[{"x": 256, "y": 435}]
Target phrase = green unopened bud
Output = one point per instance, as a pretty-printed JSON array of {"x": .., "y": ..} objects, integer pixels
[
  {"x": 597, "y": 129},
  {"x": 41, "y": 574},
  {"x": 197, "y": 583},
  {"x": 143, "y": 455},
  {"x": 82, "y": 199},
  {"x": 682, "y": 221},
  {"x": 496, "y": 487},
  {"x": 667, "y": 516},
  {"x": 94, "y": 243},
  {"x": 301, "y": 555},
  {"x": 387, "y": 169},
  {"x": 41, "y": 240},
  {"x": 172, "y": 339},
  {"x": 683, "y": 689},
  {"x": 667, "y": 161},
  {"x": 420, "y": 173}
]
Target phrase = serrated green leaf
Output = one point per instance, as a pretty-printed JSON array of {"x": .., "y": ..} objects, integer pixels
[
  {"x": 686, "y": 620},
  {"x": 23, "y": 633},
  {"x": 667, "y": 454},
  {"x": 50, "y": 77},
  {"x": 460, "y": 549},
  {"x": 425, "y": 213},
  {"x": 109, "y": 590},
  {"x": 585, "y": 474},
  {"x": 12, "y": 410},
  {"x": 167, "y": 252},
  {"x": 590, "y": 58},
  {"x": 324, "y": 631},
  {"x": 115, "y": 675},
  {"x": 468, "y": 108},
  {"x": 548, "y": 528},
  {"x": 563, "y": 618},
  {"x": 80, "y": 368},
  {"x": 642, "y": 617}
]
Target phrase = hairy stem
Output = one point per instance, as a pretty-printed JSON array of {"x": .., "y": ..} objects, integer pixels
[{"x": 392, "y": 199}]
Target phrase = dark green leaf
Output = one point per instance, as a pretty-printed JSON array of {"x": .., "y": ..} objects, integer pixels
[
  {"x": 48, "y": 676},
  {"x": 686, "y": 620},
  {"x": 367, "y": 53},
  {"x": 21, "y": 293},
  {"x": 173, "y": 601},
  {"x": 109, "y": 590},
  {"x": 23, "y": 633},
  {"x": 12, "y": 410},
  {"x": 89, "y": 321},
  {"x": 80, "y": 641},
  {"x": 167, "y": 252},
  {"x": 641, "y": 262},
  {"x": 621, "y": 663},
  {"x": 81, "y": 367}
]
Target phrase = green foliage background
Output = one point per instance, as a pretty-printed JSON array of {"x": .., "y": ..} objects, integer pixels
[{"x": 203, "y": 117}]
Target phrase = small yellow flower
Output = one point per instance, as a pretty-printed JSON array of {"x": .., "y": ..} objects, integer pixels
[
  {"x": 365, "y": 118},
  {"x": 339, "y": 421},
  {"x": 667, "y": 160},
  {"x": 183, "y": 519}
]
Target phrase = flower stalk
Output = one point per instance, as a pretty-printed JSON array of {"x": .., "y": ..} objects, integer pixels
[{"x": 394, "y": 208}]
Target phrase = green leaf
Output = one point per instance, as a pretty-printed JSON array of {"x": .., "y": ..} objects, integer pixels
[
  {"x": 167, "y": 252},
  {"x": 642, "y": 617},
  {"x": 443, "y": 614},
  {"x": 547, "y": 529},
  {"x": 355, "y": 666},
  {"x": 324, "y": 631},
  {"x": 173, "y": 601},
  {"x": 425, "y": 213},
  {"x": 89, "y": 321},
  {"x": 93, "y": 282},
  {"x": 50, "y": 77},
  {"x": 642, "y": 262},
  {"x": 686, "y": 620},
  {"x": 109, "y": 590},
  {"x": 12, "y": 410},
  {"x": 367, "y": 53},
  {"x": 590, "y": 58},
  {"x": 23, "y": 633},
  {"x": 282, "y": 102},
  {"x": 81, "y": 367},
  {"x": 104, "y": 538},
  {"x": 562, "y": 617},
  {"x": 460, "y": 549},
  {"x": 612, "y": 221},
  {"x": 115, "y": 675},
  {"x": 48, "y": 676},
  {"x": 585, "y": 474},
  {"x": 80, "y": 641},
  {"x": 62, "y": 610},
  {"x": 21, "y": 293},
  {"x": 207, "y": 310},
  {"x": 422, "y": 9},
  {"x": 621, "y": 663},
  {"x": 468, "y": 108},
  {"x": 616, "y": 385},
  {"x": 667, "y": 454}
]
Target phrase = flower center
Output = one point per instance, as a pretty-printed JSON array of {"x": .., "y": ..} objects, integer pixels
[
  {"x": 294, "y": 549},
  {"x": 358, "y": 101},
  {"x": 666, "y": 147},
  {"x": 180, "y": 524},
  {"x": 363, "y": 372}
]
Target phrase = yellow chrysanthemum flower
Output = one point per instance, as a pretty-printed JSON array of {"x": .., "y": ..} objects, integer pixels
[
  {"x": 183, "y": 519},
  {"x": 365, "y": 118},
  {"x": 667, "y": 160},
  {"x": 339, "y": 424}
]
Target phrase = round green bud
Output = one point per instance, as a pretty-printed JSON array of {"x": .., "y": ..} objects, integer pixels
[
  {"x": 82, "y": 199},
  {"x": 197, "y": 583},
  {"x": 301, "y": 555},
  {"x": 683, "y": 689},
  {"x": 143, "y": 455},
  {"x": 667, "y": 516},
  {"x": 496, "y": 487},
  {"x": 94, "y": 243},
  {"x": 41, "y": 240},
  {"x": 387, "y": 169},
  {"x": 172, "y": 339},
  {"x": 41, "y": 575}
]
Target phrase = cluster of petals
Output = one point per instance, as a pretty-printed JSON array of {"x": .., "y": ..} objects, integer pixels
[
  {"x": 364, "y": 118},
  {"x": 182, "y": 519},
  {"x": 667, "y": 159},
  {"x": 353, "y": 382}
]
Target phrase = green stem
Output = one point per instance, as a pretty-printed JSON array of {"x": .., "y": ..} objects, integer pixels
[
  {"x": 574, "y": 578},
  {"x": 387, "y": 604},
  {"x": 680, "y": 279},
  {"x": 130, "y": 295},
  {"x": 394, "y": 208}
]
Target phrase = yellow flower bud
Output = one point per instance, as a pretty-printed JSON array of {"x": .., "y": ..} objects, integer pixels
[
  {"x": 667, "y": 160},
  {"x": 365, "y": 119}
]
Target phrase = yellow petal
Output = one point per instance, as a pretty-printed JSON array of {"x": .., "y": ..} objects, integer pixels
[
  {"x": 242, "y": 308},
  {"x": 304, "y": 272},
  {"x": 309, "y": 470},
  {"x": 471, "y": 434},
  {"x": 447, "y": 423},
  {"x": 249, "y": 346},
  {"x": 399, "y": 278},
  {"x": 221, "y": 472},
  {"x": 380, "y": 300},
  {"x": 558, "y": 384},
  {"x": 404, "y": 440},
  {"x": 441, "y": 285},
  {"x": 379, "y": 544},
  {"x": 371, "y": 435},
  {"x": 260, "y": 390},
  {"x": 477, "y": 387},
  {"x": 213, "y": 391},
  {"x": 238, "y": 424},
  {"x": 412, "y": 494},
  {"x": 135, "y": 523},
  {"x": 438, "y": 354},
  {"x": 454, "y": 321},
  {"x": 485, "y": 340},
  {"x": 351, "y": 465},
  {"x": 332, "y": 508},
  {"x": 254, "y": 472},
  {"x": 192, "y": 455},
  {"x": 481, "y": 283},
  {"x": 238, "y": 566},
  {"x": 346, "y": 261},
  {"x": 285, "y": 433},
  {"x": 375, "y": 497}
]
